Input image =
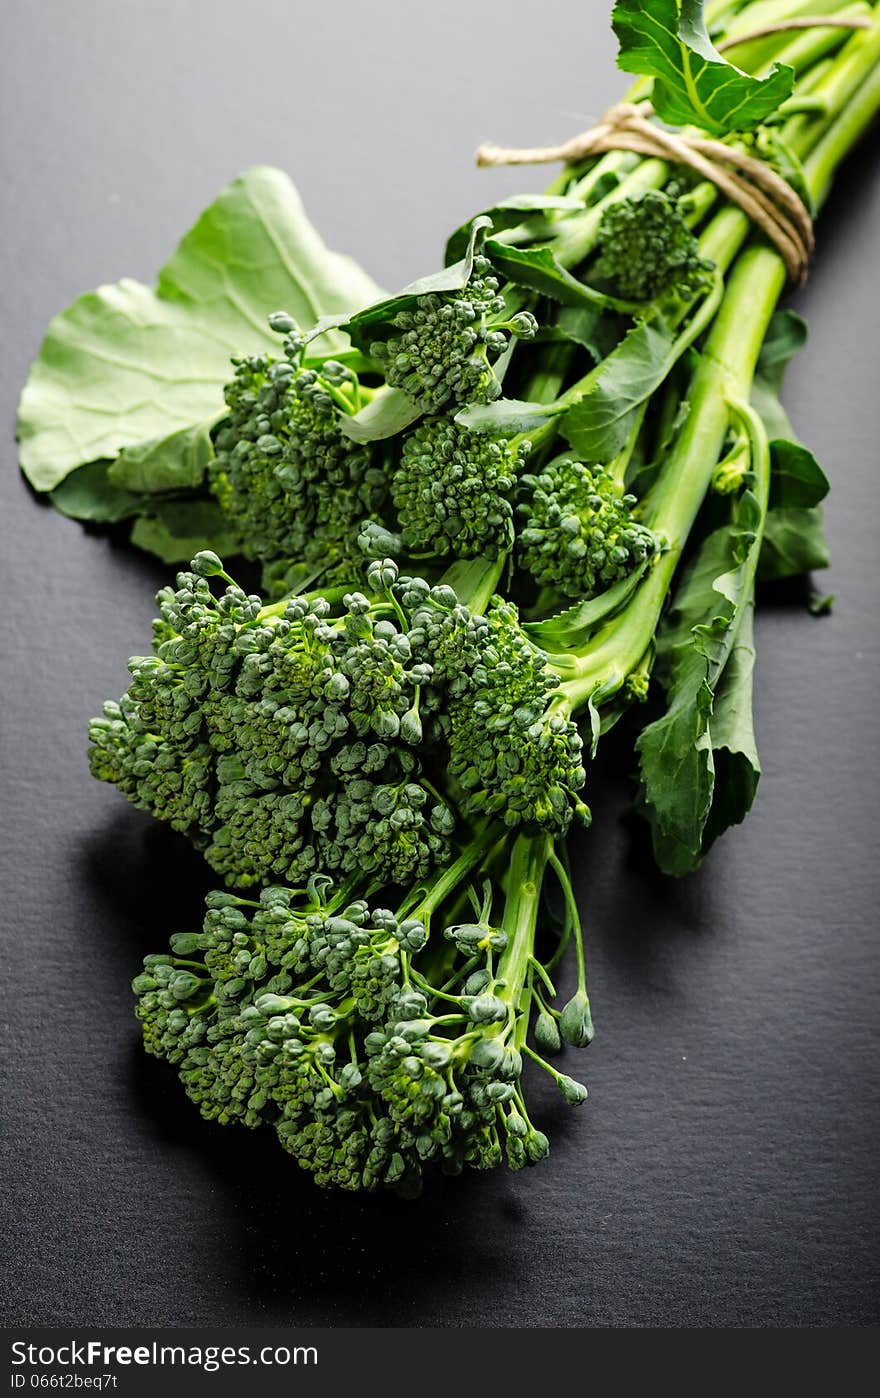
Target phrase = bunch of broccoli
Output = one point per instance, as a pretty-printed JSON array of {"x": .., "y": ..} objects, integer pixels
[
  {"x": 372, "y": 1050},
  {"x": 536, "y": 490}
]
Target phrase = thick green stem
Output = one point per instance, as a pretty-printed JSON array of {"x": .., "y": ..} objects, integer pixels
[
  {"x": 725, "y": 372},
  {"x": 724, "y": 375},
  {"x": 521, "y": 908},
  {"x": 474, "y": 580}
]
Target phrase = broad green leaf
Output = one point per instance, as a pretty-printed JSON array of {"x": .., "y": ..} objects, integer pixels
[
  {"x": 794, "y": 537},
  {"x": 694, "y": 84},
  {"x": 598, "y": 424},
  {"x": 786, "y": 334},
  {"x": 90, "y": 493},
  {"x": 595, "y": 329},
  {"x": 376, "y": 320},
  {"x": 794, "y": 543},
  {"x": 179, "y": 529},
  {"x": 796, "y": 478},
  {"x": 677, "y": 752},
  {"x": 175, "y": 462},
  {"x": 735, "y": 753},
  {"x": 127, "y": 365}
]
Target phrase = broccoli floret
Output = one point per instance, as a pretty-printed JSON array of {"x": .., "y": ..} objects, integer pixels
[
  {"x": 324, "y": 1019},
  {"x": 295, "y": 484},
  {"x": 647, "y": 249},
  {"x": 575, "y": 530},
  {"x": 306, "y": 736},
  {"x": 452, "y": 490},
  {"x": 450, "y": 342},
  {"x": 513, "y": 748}
]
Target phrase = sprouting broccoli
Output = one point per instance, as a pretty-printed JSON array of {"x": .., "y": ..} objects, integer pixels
[
  {"x": 337, "y": 733},
  {"x": 376, "y": 1042},
  {"x": 406, "y": 759},
  {"x": 284, "y": 470},
  {"x": 452, "y": 490},
  {"x": 450, "y": 342},
  {"x": 575, "y": 530},
  {"x": 646, "y": 249}
]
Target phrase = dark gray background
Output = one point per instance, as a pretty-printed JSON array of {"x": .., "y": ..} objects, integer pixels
[{"x": 724, "y": 1171}]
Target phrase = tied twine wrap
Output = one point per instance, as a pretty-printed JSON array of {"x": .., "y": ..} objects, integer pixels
[{"x": 767, "y": 198}]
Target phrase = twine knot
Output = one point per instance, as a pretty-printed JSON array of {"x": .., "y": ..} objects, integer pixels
[{"x": 745, "y": 179}]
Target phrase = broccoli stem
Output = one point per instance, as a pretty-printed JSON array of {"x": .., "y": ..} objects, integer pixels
[
  {"x": 525, "y": 877},
  {"x": 723, "y": 379},
  {"x": 431, "y": 895}
]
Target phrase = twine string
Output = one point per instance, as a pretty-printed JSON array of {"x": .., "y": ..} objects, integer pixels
[{"x": 747, "y": 181}]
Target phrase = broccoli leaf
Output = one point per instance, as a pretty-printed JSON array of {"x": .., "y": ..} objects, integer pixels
[
  {"x": 91, "y": 494},
  {"x": 794, "y": 537},
  {"x": 680, "y": 788},
  {"x": 735, "y": 754},
  {"x": 596, "y": 330},
  {"x": 505, "y": 417},
  {"x": 667, "y": 40},
  {"x": 571, "y": 627},
  {"x": 794, "y": 543},
  {"x": 179, "y": 529},
  {"x": 384, "y": 416},
  {"x": 174, "y": 462},
  {"x": 796, "y": 478},
  {"x": 786, "y": 334},
  {"x": 540, "y": 270},
  {"x": 519, "y": 211},
  {"x": 377, "y": 318},
  {"x": 127, "y": 365},
  {"x": 598, "y": 424}
]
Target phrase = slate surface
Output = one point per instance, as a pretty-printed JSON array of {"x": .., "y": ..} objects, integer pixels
[{"x": 724, "y": 1171}]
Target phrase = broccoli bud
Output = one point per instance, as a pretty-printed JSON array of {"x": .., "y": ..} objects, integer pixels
[
  {"x": 647, "y": 249},
  {"x": 295, "y": 485},
  {"x": 576, "y": 533},
  {"x": 449, "y": 342},
  {"x": 452, "y": 490}
]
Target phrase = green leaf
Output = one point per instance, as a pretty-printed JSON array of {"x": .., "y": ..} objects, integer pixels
[
  {"x": 377, "y": 319},
  {"x": 539, "y": 269},
  {"x": 796, "y": 478},
  {"x": 598, "y": 424},
  {"x": 571, "y": 627},
  {"x": 596, "y": 330},
  {"x": 677, "y": 752},
  {"x": 506, "y": 417},
  {"x": 794, "y": 543},
  {"x": 521, "y": 211},
  {"x": 786, "y": 334},
  {"x": 126, "y": 365},
  {"x": 175, "y": 462},
  {"x": 89, "y": 493},
  {"x": 384, "y": 416},
  {"x": 694, "y": 84},
  {"x": 735, "y": 753},
  {"x": 179, "y": 529},
  {"x": 794, "y": 536}
]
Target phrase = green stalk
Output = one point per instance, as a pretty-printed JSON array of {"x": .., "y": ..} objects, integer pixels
[
  {"x": 437, "y": 890},
  {"x": 522, "y": 905},
  {"x": 723, "y": 377}
]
